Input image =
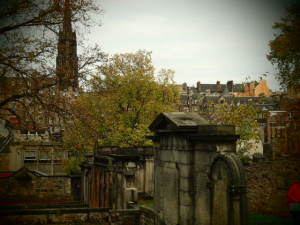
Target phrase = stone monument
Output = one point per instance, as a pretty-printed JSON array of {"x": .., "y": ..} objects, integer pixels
[{"x": 198, "y": 178}]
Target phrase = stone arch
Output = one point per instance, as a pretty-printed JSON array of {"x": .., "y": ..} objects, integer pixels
[{"x": 228, "y": 194}]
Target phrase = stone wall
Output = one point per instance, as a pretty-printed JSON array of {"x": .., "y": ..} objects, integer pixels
[
  {"x": 11, "y": 158},
  {"x": 142, "y": 216},
  {"x": 109, "y": 173},
  {"x": 29, "y": 188},
  {"x": 149, "y": 217},
  {"x": 138, "y": 174},
  {"x": 4, "y": 158},
  {"x": 70, "y": 216},
  {"x": 268, "y": 183},
  {"x": 143, "y": 178},
  {"x": 35, "y": 151}
]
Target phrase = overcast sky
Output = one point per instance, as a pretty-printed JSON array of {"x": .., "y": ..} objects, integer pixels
[{"x": 202, "y": 40}]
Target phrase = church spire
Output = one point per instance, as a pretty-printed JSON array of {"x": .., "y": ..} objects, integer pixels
[
  {"x": 67, "y": 25},
  {"x": 67, "y": 60}
]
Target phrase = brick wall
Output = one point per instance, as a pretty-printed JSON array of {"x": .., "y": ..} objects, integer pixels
[{"x": 268, "y": 183}]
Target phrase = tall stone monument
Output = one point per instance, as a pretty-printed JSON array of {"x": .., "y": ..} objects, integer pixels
[{"x": 198, "y": 178}]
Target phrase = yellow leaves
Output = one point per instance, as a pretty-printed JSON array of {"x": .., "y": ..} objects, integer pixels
[
  {"x": 241, "y": 116},
  {"x": 123, "y": 100}
]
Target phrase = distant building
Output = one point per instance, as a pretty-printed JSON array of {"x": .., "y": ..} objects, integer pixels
[
  {"x": 34, "y": 150},
  {"x": 250, "y": 89},
  {"x": 203, "y": 96},
  {"x": 255, "y": 89},
  {"x": 278, "y": 113}
]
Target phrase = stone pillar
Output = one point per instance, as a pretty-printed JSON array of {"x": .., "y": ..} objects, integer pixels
[{"x": 186, "y": 149}]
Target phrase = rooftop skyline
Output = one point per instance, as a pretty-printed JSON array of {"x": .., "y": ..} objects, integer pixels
[{"x": 201, "y": 40}]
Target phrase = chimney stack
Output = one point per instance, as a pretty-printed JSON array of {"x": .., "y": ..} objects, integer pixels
[
  {"x": 230, "y": 85},
  {"x": 184, "y": 86},
  {"x": 198, "y": 86}
]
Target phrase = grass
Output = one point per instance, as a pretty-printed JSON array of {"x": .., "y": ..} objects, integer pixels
[
  {"x": 148, "y": 203},
  {"x": 262, "y": 219}
]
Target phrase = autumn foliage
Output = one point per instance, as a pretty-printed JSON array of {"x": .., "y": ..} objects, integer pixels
[{"x": 122, "y": 100}]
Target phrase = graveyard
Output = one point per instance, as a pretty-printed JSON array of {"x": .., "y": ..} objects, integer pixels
[{"x": 94, "y": 137}]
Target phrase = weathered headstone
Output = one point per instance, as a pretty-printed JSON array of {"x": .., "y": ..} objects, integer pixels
[{"x": 198, "y": 179}]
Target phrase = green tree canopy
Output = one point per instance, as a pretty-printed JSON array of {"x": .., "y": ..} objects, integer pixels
[
  {"x": 241, "y": 116},
  {"x": 123, "y": 99},
  {"x": 285, "y": 48}
]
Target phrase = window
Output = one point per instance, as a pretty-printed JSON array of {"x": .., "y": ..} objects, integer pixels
[{"x": 29, "y": 155}]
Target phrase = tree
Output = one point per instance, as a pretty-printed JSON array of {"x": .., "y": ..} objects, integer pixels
[
  {"x": 28, "y": 37},
  {"x": 243, "y": 117},
  {"x": 123, "y": 99},
  {"x": 285, "y": 48}
]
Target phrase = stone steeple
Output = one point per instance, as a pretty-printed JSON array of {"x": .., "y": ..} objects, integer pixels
[{"x": 67, "y": 60}]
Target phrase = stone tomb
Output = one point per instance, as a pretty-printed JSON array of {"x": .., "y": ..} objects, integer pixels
[
  {"x": 198, "y": 178},
  {"x": 113, "y": 176}
]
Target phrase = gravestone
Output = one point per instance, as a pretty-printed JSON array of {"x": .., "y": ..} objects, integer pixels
[{"x": 198, "y": 178}]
